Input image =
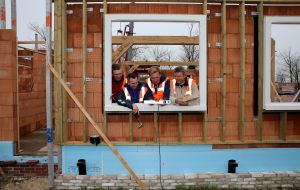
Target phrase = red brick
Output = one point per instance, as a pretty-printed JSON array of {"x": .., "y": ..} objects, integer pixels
[
  {"x": 213, "y": 85},
  {"x": 8, "y": 85},
  {"x": 6, "y": 47},
  {"x": 98, "y": 69},
  {"x": 232, "y": 26},
  {"x": 233, "y": 41},
  {"x": 97, "y": 40},
  {"x": 6, "y": 99},
  {"x": 233, "y": 55},
  {"x": 232, "y": 99},
  {"x": 214, "y": 38},
  {"x": 95, "y": 55},
  {"x": 6, "y": 111},
  {"x": 214, "y": 25},
  {"x": 77, "y": 40},
  {"x": 194, "y": 9},
  {"x": 75, "y": 56},
  {"x": 155, "y": 9},
  {"x": 7, "y": 123},
  {"x": 94, "y": 23},
  {"x": 8, "y": 73},
  {"x": 8, "y": 35},
  {"x": 214, "y": 55},
  {"x": 231, "y": 131},
  {"x": 212, "y": 99},
  {"x": 8, "y": 60},
  {"x": 213, "y": 131},
  {"x": 232, "y": 85},
  {"x": 138, "y": 8}
]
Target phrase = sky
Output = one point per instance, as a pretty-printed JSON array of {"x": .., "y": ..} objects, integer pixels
[{"x": 28, "y": 11}]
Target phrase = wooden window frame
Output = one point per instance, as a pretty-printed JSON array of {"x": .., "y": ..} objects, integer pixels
[{"x": 200, "y": 19}]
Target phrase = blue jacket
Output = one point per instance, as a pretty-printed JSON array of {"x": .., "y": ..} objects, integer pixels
[{"x": 134, "y": 93}]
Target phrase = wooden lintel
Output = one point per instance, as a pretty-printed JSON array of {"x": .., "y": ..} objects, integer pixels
[
  {"x": 120, "y": 51},
  {"x": 161, "y": 63},
  {"x": 283, "y": 125},
  {"x": 157, "y": 40}
]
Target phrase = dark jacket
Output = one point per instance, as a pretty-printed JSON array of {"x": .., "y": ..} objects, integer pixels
[
  {"x": 116, "y": 89},
  {"x": 134, "y": 93},
  {"x": 166, "y": 90}
]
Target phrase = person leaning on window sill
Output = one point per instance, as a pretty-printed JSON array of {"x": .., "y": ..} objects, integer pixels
[{"x": 184, "y": 90}]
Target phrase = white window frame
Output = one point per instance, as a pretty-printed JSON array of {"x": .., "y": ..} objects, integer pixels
[
  {"x": 200, "y": 19},
  {"x": 268, "y": 21}
]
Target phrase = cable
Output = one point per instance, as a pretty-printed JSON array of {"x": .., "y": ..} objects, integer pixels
[{"x": 159, "y": 152}]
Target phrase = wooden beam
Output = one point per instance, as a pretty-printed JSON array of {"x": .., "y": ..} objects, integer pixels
[
  {"x": 161, "y": 63},
  {"x": 197, "y": 1},
  {"x": 224, "y": 72},
  {"x": 120, "y": 51},
  {"x": 283, "y": 124},
  {"x": 58, "y": 68},
  {"x": 155, "y": 130},
  {"x": 156, "y": 40},
  {"x": 64, "y": 71},
  {"x": 130, "y": 127},
  {"x": 259, "y": 126},
  {"x": 205, "y": 116},
  {"x": 273, "y": 89},
  {"x": 242, "y": 71},
  {"x": 33, "y": 42},
  {"x": 97, "y": 128},
  {"x": 84, "y": 63},
  {"x": 180, "y": 127}
]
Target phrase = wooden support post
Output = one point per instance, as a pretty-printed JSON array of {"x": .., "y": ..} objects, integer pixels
[
  {"x": 283, "y": 124},
  {"x": 120, "y": 51},
  {"x": 205, "y": 116},
  {"x": 180, "y": 127},
  {"x": 259, "y": 126},
  {"x": 224, "y": 72},
  {"x": 2, "y": 14},
  {"x": 64, "y": 71},
  {"x": 130, "y": 127},
  {"x": 14, "y": 15},
  {"x": 58, "y": 67},
  {"x": 84, "y": 63},
  {"x": 242, "y": 72},
  {"x": 104, "y": 114},
  {"x": 155, "y": 130},
  {"x": 97, "y": 128}
]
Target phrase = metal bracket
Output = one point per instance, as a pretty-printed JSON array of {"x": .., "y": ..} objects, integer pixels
[
  {"x": 68, "y": 83},
  {"x": 69, "y": 120},
  {"x": 89, "y": 79},
  {"x": 219, "y": 44},
  {"x": 101, "y": 10},
  {"x": 254, "y": 13},
  {"x": 100, "y": 45},
  {"x": 208, "y": 45},
  {"x": 100, "y": 81},
  {"x": 219, "y": 79},
  {"x": 69, "y": 50},
  {"x": 219, "y": 118},
  {"x": 89, "y": 9},
  {"x": 218, "y": 14},
  {"x": 89, "y": 50},
  {"x": 69, "y": 12}
]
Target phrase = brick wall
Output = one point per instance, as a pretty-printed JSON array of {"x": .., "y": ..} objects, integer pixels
[
  {"x": 32, "y": 104},
  {"x": 8, "y": 85},
  {"x": 31, "y": 168},
  {"x": 274, "y": 180}
]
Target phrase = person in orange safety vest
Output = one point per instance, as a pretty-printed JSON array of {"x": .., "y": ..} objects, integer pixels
[
  {"x": 118, "y": 82},
  {"x": 158, "y": 84},
  {"x": 134, "y": 92},
  {"x": 184, "y": 90}
]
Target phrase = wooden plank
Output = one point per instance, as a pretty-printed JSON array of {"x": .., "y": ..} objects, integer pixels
[
  {"x": 273, "y": 89},
  {"x": 57, "y": 66},
  {"x": 97, "y": 128},
  {"x": 224, "y": 65},
  {"x": 161, "y": 63},
  {"x": 283, "y": 125},
  {"x": 120, "y": 51},
  {"x": 157, "y": 40},
  {"x": 197, "y": 1},
  {"x": 242, "y": 72},
  {"x": 205, "y": 119},
  {"x": 155, "y": 124},
  {"x": 64, "y": 71},
  {"x": 34, "y": 42},
  {"x": 259, "y": 126},
  {"x": 130, "y": 127},
  {"x": 84, "y": 63},
  {"x": 180, "y": 127}
]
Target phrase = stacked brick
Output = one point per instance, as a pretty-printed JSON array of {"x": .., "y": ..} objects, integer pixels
[
  {"x": 93, "y": 68},
  {"x": 32, "y": 104},
  {"x": 31, "y": 168},
  {"x": 273, "y": 180},
  {"x": 8, "y": 86}
]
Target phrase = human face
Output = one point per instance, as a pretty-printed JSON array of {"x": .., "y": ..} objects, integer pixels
[
  {"x": 117, "y": 74},
  {"x": 180, "y": 77},
  {"x": 133, "y": 83},
  {"x": 155, "y": 77}
]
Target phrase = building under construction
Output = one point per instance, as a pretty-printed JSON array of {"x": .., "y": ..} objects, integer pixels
[{"x": 248, "y": 73}]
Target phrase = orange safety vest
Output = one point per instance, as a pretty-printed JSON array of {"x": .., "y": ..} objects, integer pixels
[
  {"x": 188, "y": 87},
  {"x": 141, "y": 95},
  {"x": 124, "y": 82},
  {"x": 160, "y": 90}
]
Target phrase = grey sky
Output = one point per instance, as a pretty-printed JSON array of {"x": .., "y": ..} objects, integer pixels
[{"x": 28, "y": 11}]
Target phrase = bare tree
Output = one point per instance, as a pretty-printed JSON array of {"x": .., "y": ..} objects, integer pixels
[
  {"x": 190, "y": 52},
  {"x": 159, "y": 53},
  {"x": 40, "y": 30},
  {"x": 290, "y": 66}
]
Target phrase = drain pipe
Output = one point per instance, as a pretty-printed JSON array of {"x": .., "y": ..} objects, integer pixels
[{"x": 49, "y": 95}]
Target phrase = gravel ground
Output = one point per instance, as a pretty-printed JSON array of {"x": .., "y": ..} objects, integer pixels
[{"x": 25, "y": 184}]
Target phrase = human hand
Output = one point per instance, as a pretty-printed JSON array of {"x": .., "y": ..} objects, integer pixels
[
  {"x": 181, "y": 101},
  {"x": 135, "y": 109}
]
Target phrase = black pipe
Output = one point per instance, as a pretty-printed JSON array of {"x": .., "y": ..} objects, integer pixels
[
  {"x": 81, "y": 167},
  {"x": 232, "y": 164}
]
